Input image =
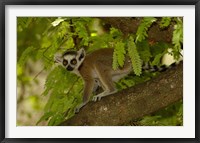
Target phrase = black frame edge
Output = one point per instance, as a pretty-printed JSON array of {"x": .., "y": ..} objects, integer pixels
[
  {"x": 2, "y": 71},
  {"x": 99, "y": 140},
  {"x": 197, "y": 70},
  {"x": 41, "y": 140},
  {"x": 101, "y": 2}
]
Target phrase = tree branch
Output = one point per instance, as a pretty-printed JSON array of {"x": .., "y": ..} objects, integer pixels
[
  {"x": 129, "y": 25},
  {"x": 134, "y": 102}
]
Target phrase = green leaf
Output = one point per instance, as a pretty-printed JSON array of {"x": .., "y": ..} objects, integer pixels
[
  {"x": 177, "y": 38},
  {"x": 144, "y": 50},
  {"x": 135, "y": 58},
  {"x": 159, "y": 48},
  {"x": 57, "y": 21},
  {"x": 142, "y": 30},
  {"x": 116, "y": 33},
  {"x": 56, "y": 119},
  {"x": 45, "y": 117},
  {"x": 157, "y": 60},
  {"x": 24, "y": 22},
  {"x": 115, "y": 64},
  {"x": 165, "y": 22},
  {"x": 25, "y": 55},
  {"x": 119, "y": 55},
  {"x": 64, "y": 90},
  {"x": 81, "y": 25},
  {"x": 128, "y": 82}
]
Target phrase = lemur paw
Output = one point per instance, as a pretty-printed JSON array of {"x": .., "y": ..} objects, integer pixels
[
  {"x": 103, "y": 94},
  {"x": 96, "y": 98},
  {"x": 77, "y": 109}
]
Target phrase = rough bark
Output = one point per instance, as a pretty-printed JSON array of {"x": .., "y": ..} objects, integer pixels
[
  {"x": 129, "y": 25},
  {"x": 134, "y": 102}
]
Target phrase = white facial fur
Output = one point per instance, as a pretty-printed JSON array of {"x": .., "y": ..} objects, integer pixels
[{"x": 71, "y": 60}]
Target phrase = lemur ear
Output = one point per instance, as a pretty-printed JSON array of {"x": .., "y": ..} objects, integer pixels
[
  {"x": 81, "y": 54},
  {"x": 58, "y": 58}
]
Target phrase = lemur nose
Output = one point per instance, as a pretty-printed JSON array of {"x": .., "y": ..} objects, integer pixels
[{"x": 69, "y": 68}]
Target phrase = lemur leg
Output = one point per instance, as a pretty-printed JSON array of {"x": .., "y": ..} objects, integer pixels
[
  {"x": 105, "y": 78},
  {"x": 89, "y": 85},
  {"x": 97, "y": 85},
  {"x": 77, "y": 109}
]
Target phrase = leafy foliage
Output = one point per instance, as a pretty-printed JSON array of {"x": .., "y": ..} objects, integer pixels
[
  {"x": 25, "y": 55},
  {"x": 158, "y": 50},
  {"x": 177, "y": 39},
  {"x": 172, "y": 114},
  {"x": 143, "y": 28},
  {"x": 135, "y": 58},
  {"x": 64, "y": 89},
  {"x": 119, "y": 55},
  {"x": 49, "y": 35},
  {"x": 144, "y": 51},
  {"x": 165, "y": 22}
]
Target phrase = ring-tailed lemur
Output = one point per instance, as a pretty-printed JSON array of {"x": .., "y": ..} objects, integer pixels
[{"x": 96, "y": 70}]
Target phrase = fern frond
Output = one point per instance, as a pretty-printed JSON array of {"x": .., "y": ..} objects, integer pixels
[
  {"x": 165, "y": 22},
  {"x": 157, "y": 60},
  {"x": 115, "y": 64},
  {"x": 143, "y": 28},
  {"x": 135, "y": 58},
  {"x": 25, "y": 55},
  {"x": 119, "y": 55},
  {"x": 116, "y": 33},
  {"x": 45, "y": 117},
  {"x": 64, "y": 90},
  {"x": 144, "y": 50},
  {"x": 24, "y": 22},
  {"x": 81, "y": 29},
  {"x": 177, "y": 38},
  {"x": 120, "y": 48}
]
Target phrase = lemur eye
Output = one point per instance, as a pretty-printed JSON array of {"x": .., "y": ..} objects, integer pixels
[
  {"x": 73, "y": 61},
  {"x": 65, "y": 62}
]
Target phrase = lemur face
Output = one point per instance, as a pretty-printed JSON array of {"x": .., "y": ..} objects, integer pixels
[{"x": 71, "y": 60}]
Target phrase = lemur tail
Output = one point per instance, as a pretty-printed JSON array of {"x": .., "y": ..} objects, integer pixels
[{"x": 148, "y": 67}]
